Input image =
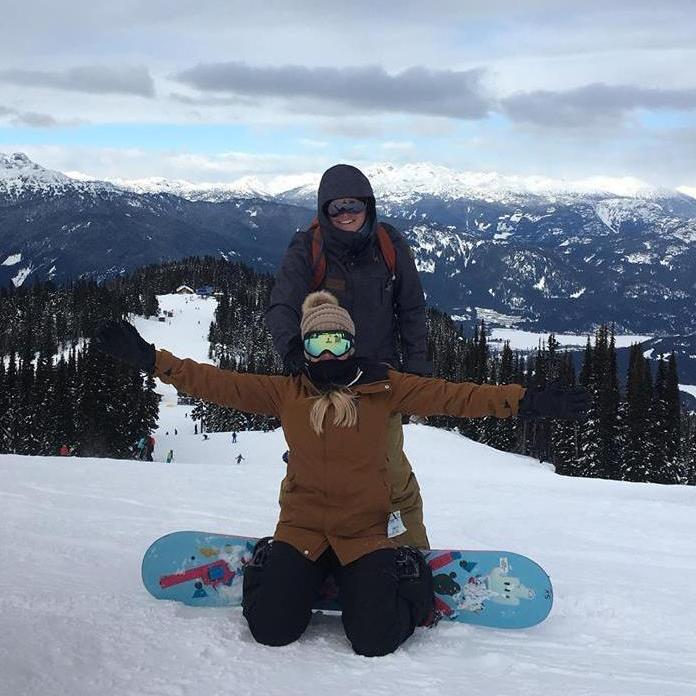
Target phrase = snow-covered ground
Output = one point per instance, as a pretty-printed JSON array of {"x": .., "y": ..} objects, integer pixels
[
  {"x": 529, "y": 340},
  {"x": 688, "y": 388},
  {"x": 75, "y": 619}
]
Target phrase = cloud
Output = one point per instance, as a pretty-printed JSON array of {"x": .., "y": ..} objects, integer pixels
[
  {"x": 92, "y": 79},
  {"x": 592, "y": 104},
  {"x": 311, "y": 142},
  {"x": 397, "y": 145},
  {"x": 34, "y": 119},
  {"x": 212, "y": 100},
  {"x": 420, "y": 90}
]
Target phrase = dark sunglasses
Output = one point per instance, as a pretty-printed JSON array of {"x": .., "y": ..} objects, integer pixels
[
  {"x": 338, "y": 343},
  {"x": 345, "y": 205}
]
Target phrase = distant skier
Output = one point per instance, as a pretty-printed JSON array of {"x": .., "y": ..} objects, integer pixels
[
  {"x": 176, "y": 432},
  {"x": 170, "y": 456},
  {"x": 195, "y": 428},
  {"x": 140, "y": 447},
  {"x": 336, "y": 508},
  {"x": 205, "y": 436},
  {"x": 64, "y": 451},
  {"x": 240, "y": 459},
  {"x": 149, "y": 448},
  {"x": 234, "y": 438}
]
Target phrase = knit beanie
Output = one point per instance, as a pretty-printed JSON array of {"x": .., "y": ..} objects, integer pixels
[{"x": 321, "y": 312}]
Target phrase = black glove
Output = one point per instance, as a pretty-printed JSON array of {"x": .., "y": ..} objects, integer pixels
[
  {"x": 294, "y": 361},
  {"x": 554, "y": 401},
  {"x": 122, "y": 341},
  {"x": 422, "y": 368}
]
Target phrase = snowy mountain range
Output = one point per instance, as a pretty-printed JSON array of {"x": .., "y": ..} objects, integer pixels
[{"x": 519, "y": 251}]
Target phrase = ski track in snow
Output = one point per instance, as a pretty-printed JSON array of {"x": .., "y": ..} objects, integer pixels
[{"x": 76, "y": 620}]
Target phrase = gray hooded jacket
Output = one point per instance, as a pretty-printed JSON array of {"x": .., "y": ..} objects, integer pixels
[{"x": 389, "y": 314}]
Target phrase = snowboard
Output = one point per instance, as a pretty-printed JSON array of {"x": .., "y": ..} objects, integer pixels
[{"x": 498, "y": 589}]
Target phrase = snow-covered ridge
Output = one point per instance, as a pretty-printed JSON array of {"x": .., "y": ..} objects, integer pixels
[
  {"x": 17, "y": 165},
  {"x": 407, "y": 183},
  {"x": 20, "y": 175},
  {"x": 393, "y": 184},
  {"x": 246, "y": 187},
  {"x": 688, "y": 191}
]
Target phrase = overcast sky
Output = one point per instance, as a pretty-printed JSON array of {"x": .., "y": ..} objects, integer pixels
[{"x": 214, "y": 90}]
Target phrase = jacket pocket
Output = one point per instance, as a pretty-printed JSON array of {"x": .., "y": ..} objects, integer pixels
[{"x": 375, "y": 290}]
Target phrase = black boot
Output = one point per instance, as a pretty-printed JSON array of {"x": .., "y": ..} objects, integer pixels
[
  {"x": 260, "y": 553},
  {"x": 416, "y": 585},
  {"x": 253, "y": 571}
]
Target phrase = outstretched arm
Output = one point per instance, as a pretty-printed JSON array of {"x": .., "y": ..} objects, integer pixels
[
  {"x": 246, "y": 392},
  {"x": 423, "y": 396},
  {"x": 254, "y": 393}
]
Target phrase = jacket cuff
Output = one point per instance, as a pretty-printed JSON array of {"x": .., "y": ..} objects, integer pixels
[
  {"x": 514, "y": 395},
  {"x": 165, "y": 364}
]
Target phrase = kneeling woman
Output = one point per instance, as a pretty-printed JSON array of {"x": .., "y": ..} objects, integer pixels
[{"x": 336, "y": 499}]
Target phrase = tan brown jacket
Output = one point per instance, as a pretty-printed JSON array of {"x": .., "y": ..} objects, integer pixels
[{"x": 336, "y": 491}]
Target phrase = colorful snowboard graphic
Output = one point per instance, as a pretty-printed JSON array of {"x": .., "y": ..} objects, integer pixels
[{"x": 487, "y": 588}]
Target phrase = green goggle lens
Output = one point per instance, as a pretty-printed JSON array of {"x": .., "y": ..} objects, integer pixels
[{"x": 337, "y": 343}]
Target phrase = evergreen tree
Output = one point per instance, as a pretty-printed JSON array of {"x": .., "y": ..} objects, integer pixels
[
  {"x": 689, "y": 450},
  {"x": 599, "y": 455},
  {"x": 664, "y": 425},
  {"x": 4, "y": 407},
  {"x": 673, "y": 412},
  {"x": 638, "y": 452},
  {"x": 502, "y": 432},
  {"x": 565, "y": 436}
]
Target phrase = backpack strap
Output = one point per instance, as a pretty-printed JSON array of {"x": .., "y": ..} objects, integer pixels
[
  {"x": 318, "y": 256},
  {"x": 386, "y": 247}
]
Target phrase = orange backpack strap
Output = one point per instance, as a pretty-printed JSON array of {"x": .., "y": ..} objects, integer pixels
[
  {"x": 386, "y": 246},
  {"x": 318, "y": 257}
]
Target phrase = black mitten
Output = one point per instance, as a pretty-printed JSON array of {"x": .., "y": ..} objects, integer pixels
[
  {"x": 554, "y": 401},
  {"x": 122, "y": 341}
]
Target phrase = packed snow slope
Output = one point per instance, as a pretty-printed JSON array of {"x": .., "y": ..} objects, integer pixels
[{"x": 75, "y": 619}]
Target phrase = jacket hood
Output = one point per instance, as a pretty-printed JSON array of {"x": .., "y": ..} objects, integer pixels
[{"x": 345, "y": 181}]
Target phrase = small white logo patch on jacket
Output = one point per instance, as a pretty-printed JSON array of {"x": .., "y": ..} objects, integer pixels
[{"x": 395, "y": 526}]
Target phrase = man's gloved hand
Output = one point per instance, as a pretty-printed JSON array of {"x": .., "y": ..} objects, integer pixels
[
  {"x": 122, "y": 341},
  {"x": 554, "y": 401},
  {"x": 422, "y": 368},
  {"x": 294, "y": 362}
]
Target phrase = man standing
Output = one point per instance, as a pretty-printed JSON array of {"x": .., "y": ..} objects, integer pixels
[{"x": 369, "y": 267}]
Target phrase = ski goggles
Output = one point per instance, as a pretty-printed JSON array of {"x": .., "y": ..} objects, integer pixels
[
  {"x": 345, "y": 205},
  {"x": 338, "y": 343}
]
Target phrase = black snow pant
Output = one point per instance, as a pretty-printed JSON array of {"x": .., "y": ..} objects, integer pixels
[{"x": 380, "y": 610}]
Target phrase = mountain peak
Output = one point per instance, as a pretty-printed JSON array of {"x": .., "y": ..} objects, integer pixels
[
  {"x": 15, "y": 160},
  {"x": 17, "y": 166}
]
